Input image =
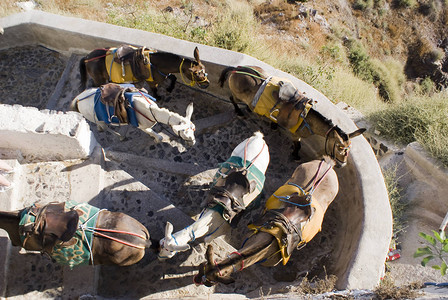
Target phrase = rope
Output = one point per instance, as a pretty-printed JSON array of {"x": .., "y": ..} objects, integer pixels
[
  {"x": 192, "y": 82},
  {"x": 96, "y": 57}
]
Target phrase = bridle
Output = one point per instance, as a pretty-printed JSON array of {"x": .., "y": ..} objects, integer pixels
[
  {"x": 343, "y": 152},
  {"x": 193, "y": 81}
]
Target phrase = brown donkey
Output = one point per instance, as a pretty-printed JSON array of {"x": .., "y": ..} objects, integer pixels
[
  {"x": 128, "y": 64},
  {"x": 278, "y": 100},
  {"x": 77, "y": 233},
  {"x": 293, "y": 216}
]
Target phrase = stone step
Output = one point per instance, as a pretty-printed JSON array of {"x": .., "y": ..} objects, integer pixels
[
  {"x": 6, "y": 204},
  {"x": 64, "y": 90},
  {"x": 79, "y": 180}
]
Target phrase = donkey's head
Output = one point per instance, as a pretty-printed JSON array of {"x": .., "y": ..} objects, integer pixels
[
  {"x": 195, "y": 72},
  {"x": 211, "y": 273},
  {"x": 338, "y": 144},
  {"x": 185, "y": 129}
]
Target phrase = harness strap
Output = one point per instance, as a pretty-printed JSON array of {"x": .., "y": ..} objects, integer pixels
[{"x": 260, "y": 91}]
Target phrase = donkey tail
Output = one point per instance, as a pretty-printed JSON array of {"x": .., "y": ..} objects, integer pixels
[
  {"x": 224, "y": 75},
  {"x": 83, "y": 73},
  {"x": 258, "y": 134}
]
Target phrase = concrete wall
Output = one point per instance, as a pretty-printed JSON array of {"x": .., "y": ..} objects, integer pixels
[
  {"x": 362, "y": 201},
  {"x": 45, "y": 135}
]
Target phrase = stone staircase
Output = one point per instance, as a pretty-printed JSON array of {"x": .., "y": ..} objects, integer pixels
[{"x": 153, "y": 183}]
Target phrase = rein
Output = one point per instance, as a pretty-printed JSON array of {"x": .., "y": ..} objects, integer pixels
[
  {"x": 250, "y": 74},
  {"x": 313, "y": 188}
]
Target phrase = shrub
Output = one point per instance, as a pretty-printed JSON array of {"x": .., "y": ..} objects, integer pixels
[
  {"x": 388, "y": 87},
  {"x": 362, "y": 4},
  {"x": 387, "y": 290},
  {"x": 406, "y": 3},
  {"x": 420, "y": 118},
  {"x": 436, "y": 248},
  {"x": 426, "y": 86},
  {"x": 398, "y": 207},
  {"x": 235, "y": 28},
  {"x": 359, "y": 60}
]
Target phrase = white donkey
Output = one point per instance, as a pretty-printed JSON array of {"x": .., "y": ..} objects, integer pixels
[
  {"x": 142, "y": 110},
  {"x": 236, "y": 184}
]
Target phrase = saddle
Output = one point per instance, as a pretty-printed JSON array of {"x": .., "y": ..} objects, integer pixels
[
  {"x": 52, "y": 225},
  {"x": 128, "y": 55},
  {"x": 112, "y": 95},
  {"x": 231, "y": 205},
  {"x": 287, "y": 234},
  {"x": 292, "y": 112}
]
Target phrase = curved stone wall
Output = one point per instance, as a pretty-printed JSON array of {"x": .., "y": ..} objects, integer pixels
[{"x": 361, "y": 207}]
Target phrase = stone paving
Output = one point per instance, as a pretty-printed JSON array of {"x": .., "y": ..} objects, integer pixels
[{"x": 128, "y": 182}]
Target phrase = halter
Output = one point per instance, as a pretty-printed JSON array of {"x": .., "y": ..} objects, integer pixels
[
  {"x": 192, "y": 81},
  {"x": 333, "y": 152},
  {"x": 204, "y": 278}
]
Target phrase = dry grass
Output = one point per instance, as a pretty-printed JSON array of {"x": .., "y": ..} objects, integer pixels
[{"x": 387, "y": 290}]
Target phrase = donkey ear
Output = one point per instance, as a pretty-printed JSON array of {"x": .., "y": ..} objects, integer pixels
[
  {"x": 196, "y": 54},
  {"x": 356, "y": 133},
  {"x": 209, "y": 254},
  {"x": 168, "y": 229},
  {"x": 189, "y": 111}
]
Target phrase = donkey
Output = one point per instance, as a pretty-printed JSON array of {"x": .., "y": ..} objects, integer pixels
[
  {"x": 293, "y": 216},
  {"x": 238, "y": 181},
  {"x": 278, "y": 100},
  {"x": 141, "y": 110},
  {"x": 77, "y": 233},
  {"x": 109, "y": 65}
]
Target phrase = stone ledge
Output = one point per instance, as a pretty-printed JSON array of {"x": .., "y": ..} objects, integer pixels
[
  {"x": 416, "y": 153},
  {"x": 45, "y": 135}
]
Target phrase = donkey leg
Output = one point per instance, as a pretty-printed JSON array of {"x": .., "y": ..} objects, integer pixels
[
  {"x": 296, "y": 148},
  {"x": 104, "y": 127},
  {"x": 238, "y": 111},
  {"x": 173, "y": 80},
  {"x": 157, "y": 137}
]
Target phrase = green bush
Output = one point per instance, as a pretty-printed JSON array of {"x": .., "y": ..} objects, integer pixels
[
  {"x": 420, "y": 118},
  {"x": 406, "y": 3},
  {"x": 388, "y": 78},
  {"x": 397, "y": 206},
  {"x": 436, "y": 247},
  {"x": 389, "y": 87},
  {"x": 359, "y": 60},
  {"x": 234, "y": 29},
  {"x": 362, "y": 4}
]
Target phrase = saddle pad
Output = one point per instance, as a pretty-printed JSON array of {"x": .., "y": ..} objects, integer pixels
[
  {"x": 103, "y": 115},
  {"x": 78, "y": 253},
  {"x": 115, "y": 70},
  {"x": 266, "y": 102},
  {"x": 237, "y": 162},
  {"x": 314, "y": 223}
]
